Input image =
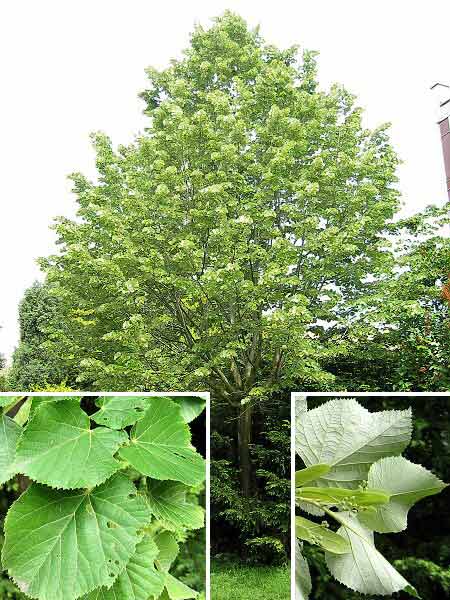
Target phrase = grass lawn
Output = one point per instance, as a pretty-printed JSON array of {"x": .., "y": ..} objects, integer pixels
[{"x": 232, "y": 581}]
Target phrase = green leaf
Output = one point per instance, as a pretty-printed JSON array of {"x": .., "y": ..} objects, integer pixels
[
  {"x": 364, "y": 569},
  {"x": 139, "y": 580},
  {"x": 310, "y": 474},
  {"x": 118, "y": 412},
  {"x": 8, "y": 402},
  {"x": 346, "y": 436},
  {"x": 167, "y": 501},
  {"x": 407, "y": 483},
  {"x": 37, "y": 401},
  {"x": 9, "y": 435},
  {"x": 306, "y": 476},
  {"x": 23, "y": 413},
  {"x": 168, "y": 550},
  {"x": 303, "y": 585},
  {"x": 177, "y": 590},
  {"x": 336, "y": 496},
  {"x": 160, "y": 445},
  {"x": 191, "y": 406},
  {"x": 301, "y": 406},
  {"x": 62, "y": 544},
  {"x": 59, "y": 448},
  {"x": 317, "y": 534}
]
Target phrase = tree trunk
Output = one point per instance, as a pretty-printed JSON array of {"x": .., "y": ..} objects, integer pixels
[{"x": 244, "y": 440}]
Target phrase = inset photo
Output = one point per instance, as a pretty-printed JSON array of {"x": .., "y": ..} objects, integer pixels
[
  {"x": 371, "y": 509},
  {"x": 250, "y": 498},
  {"x": 103, "y": 496}
]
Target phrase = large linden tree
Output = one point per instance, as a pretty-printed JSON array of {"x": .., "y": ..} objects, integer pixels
[{"x": 210, "y": 252}]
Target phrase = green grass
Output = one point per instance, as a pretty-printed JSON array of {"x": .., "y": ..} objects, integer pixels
[{"x": 231, "y": 581}]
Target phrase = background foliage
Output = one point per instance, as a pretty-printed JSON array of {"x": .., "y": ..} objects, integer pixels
[
  {"x": 34, "y": 362},
  {"x": 254, "y": 528}
]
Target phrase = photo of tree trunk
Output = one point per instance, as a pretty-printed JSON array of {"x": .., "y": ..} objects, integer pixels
[{"x": 250, "y": 498}]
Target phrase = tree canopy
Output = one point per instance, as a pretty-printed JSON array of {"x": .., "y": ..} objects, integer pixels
[
  {"x": 250, "y": 210},
  {"x": 214, "y": 250},
  {"x": 35, "y": 363}
]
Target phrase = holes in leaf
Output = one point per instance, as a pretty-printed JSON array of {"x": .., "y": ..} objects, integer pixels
[
  {"x": 111, "y": 525},
  {"x": 131, "y": 496},
  {"x": 116, "y": 562},
  {"x": 139, "y": 409}
]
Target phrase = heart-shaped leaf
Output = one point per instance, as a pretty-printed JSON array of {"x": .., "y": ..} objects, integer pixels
[
  {"x": 58, "y": 447},
  {"x": 161, "y": 445},
  {"x": 118, "y": 412},
  {"x": 191, "y": 406},
  {"x": 346, "y": 436},
  {"x": 364, "y": 569},
  {"x": 62, "y": 544},
  {"x": 407, "y": 483},
  {"x": 168, "y": 550},
  {"x": 167, "y": 501}
]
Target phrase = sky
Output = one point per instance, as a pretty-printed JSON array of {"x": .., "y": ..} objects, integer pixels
[{"x": 73, "y": 67}]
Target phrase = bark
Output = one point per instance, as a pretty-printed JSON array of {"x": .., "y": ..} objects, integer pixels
[{"x": 244, "y": 441}]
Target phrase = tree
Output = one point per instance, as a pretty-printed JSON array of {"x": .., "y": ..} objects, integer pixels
[
  {"x": 34, "y": 363},
  {"x": 401, "y": 341},
  {"x": 255, "y": 528},
  {"x": 3, "y": 384},
  {"x": 209, "y": 251}
]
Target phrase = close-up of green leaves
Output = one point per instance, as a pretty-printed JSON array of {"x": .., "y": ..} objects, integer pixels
[
  {"x": 358, "y": 484},
  {"x": 108, "y": 495}
]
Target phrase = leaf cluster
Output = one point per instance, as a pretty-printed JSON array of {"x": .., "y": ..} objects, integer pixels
[
  {"x": 83, "y": 528},
  {"x": 355, "y": 477}
]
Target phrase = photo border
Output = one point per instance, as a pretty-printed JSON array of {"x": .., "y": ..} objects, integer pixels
[{"x": 207, "y": 397}]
